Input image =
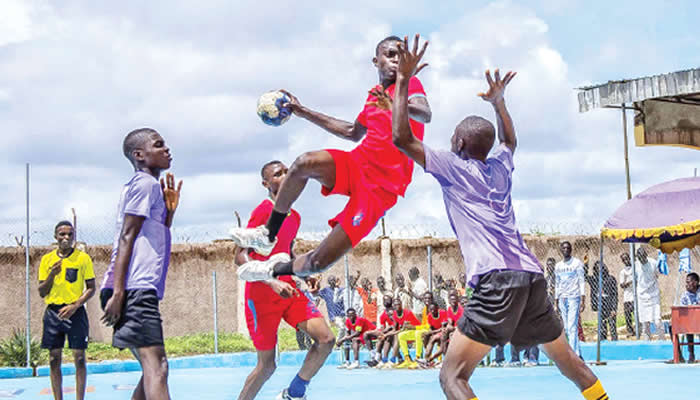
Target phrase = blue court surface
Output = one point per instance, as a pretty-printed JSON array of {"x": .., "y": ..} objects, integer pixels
[{"x": 221, "y": 377}]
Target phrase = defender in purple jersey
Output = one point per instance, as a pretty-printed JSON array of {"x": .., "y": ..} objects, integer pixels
[
  {"x": 510, "y": 300},
  {"x": 135, "y": 280}
]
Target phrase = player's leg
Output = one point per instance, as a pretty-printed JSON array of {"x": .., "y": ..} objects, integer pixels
[
  {"x": 154, "y": 364},
  {"x": 138, "y": 393},
  {"x": 261, "y": 373},
  {"x": 56, "y": 375},
  {"x": 77, "y": 341},
  {"x": 463, "y": 355},
  {"x": 356, "y": 345},
  {"x": 571, "y": 365},
  {"x": 323, "y": 341},
  {"x": 80, "y": 373}
]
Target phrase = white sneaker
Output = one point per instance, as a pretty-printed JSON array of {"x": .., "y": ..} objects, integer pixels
[
  {"x": 513, "y": 364},
  {"x": 379, "y": 365},
  {"x": 496, "y": 364},
  {"x": 253, "y": 238},
  {"x": 255, "y": 270},
  {"x": 344, "y": 365},
  {"x": 284, "y": 395},
  {"x": 354, "y": 365}
]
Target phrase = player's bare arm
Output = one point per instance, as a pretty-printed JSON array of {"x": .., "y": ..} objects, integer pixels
[
  {"x": 127, "y": 237},
  {"x": 495, "y": 96},
  {"x": 343, "y": 129},
  {"x": 409, "y": 65}
]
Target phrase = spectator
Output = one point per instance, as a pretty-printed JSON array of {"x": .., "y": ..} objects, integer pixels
[
  {"x": 416, "y": 335},
  {"x": 570, "y": 293},
  {"x": 609, "y": 294},
  {"x": 355, "y": 299},
  {"x": 401, "y": 292},
  {"x": 690, "y": 298},
  {"x": 549, "y": 277},
  {"x": 462, "y": 284},
  {"x": 356, "y": 328},
  {"x": 416, "y": 288},
  {"x": 626, "y": 283},
  {"x": 440, "y": 291},
  {"x": 66, "y": 283},
  {"x": 334, "y": 296},
  {"x": 303, "y": 339},
  {"x": 500, "y": 359},
  {"x": 463, "y": 301},
  {"x": 405, "y": 320},
  {"x": 648, "y": 295},
  {"x": 437, "y": 321},
  {"x": 369, "y": 299},
  {"x": 386, "y": 325}
]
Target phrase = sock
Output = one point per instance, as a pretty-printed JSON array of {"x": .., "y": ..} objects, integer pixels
[
  {"x": 284, "y": 268},
  {"x": 385, "y": 359},
  {"x": 298, "y": 387},
  {"x": 393, "y": 359},
  {"x": 595, "y": 392},
  {"x": 274, "y": 223}
]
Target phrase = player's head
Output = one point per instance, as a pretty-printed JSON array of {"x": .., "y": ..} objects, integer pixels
[
  {"x": 332, "y": 281},
  {"x": 366, "y": 284},
  {"x": 64, "y": 233},
  {"x": 386, "y": 58},
  {"x": 388, "y": 301},
  {"x": 473, "y": 138},
  {"x": 396, "y": 304},
  {"x": 273, "y": 174},
  {"x": 145, "y": 148},
  {"x": 451, "y": 284},
  {"x": 381, "y": 283},
  {"x": 427, "y": 298},
  {"x": 433, "y": 308},
  {"x": 642, "y": 255},
  {"x": 691, "y": 282},
  {"x": 453, "y": 299},
  {"x": 565, "y": 249},
  {"x": 400, "y": 280},
  {"x": 625, "y": 257},
  {"x": 413, "y": 273},
  {"x": 351, "y": 313}
]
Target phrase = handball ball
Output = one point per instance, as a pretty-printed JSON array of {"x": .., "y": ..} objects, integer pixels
[{"x": 271, "y": 109}]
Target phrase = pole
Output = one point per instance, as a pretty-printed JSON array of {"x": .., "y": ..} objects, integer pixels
[
  {"x": 634, "y": 284},
  {"x": 600, "y": 300},
  {"x": 627, "y": 160},
  {"x": 347, "y": 283},
  {"x": 430, "y": 268},
  {"x": 216, "y": 316},
  {"x": 26, "y": 283}
]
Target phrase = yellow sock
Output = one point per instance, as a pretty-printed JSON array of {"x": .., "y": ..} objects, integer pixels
[{"x": 595, "y": 392}]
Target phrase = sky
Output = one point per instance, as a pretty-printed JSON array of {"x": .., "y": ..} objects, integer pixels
[{"x": 76, "y": 76}]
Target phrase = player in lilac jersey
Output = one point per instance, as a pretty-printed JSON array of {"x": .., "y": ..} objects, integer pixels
[
  {"x": 510, "y": 300},
  {"x": 135, "y": 280}
]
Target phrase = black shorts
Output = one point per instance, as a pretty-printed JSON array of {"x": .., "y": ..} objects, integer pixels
[
  {"x": 55, "y": 329},
  {"x": 140, "y": 324},
  {"x": 510, "y": 306}
]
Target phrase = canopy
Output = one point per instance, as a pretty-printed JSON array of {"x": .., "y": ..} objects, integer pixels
[{"x": 667, "y": 216}]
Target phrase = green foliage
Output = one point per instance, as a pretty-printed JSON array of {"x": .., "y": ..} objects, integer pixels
[{"x": 13, "y": 351}]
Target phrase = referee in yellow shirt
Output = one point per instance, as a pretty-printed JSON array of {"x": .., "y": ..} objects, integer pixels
[{"x": 66, "y": 282}]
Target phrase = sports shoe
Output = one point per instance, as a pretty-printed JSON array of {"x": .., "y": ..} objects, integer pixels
[
  {"x": 530, "y": 364},
  {"x": 284, "y": 395},
  {"x": 388, "y": 365},
  {"x": 496, "y": 364},
  {"x": 513, "y": 364},
  {"x": 255, "y": 270},
  {"x": 404, "y": 365},
  {"x": 372, "y": 363},
  {"x": 344, "y": 365},
  {"x": 354, "y": 365},
  {"x": 253, "y": 238},
  {"x": 380, "y": 365}
]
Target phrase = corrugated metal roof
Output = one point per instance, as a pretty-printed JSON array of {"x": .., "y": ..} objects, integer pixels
[{"x": 650, "y": 87}]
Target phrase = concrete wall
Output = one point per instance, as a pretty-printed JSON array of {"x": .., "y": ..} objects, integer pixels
[{"x": 188, "y": 306}]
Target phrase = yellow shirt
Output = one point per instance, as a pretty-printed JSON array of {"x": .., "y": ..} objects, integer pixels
[{"x": 69, "y": 284}]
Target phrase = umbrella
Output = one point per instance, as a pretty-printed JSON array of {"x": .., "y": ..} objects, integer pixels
[{"x": 667, "y": 216}]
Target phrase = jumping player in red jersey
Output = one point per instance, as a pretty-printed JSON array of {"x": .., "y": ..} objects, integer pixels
[
  {"x": 373, "y": 175},
  {"x": 268, "y": 302}
]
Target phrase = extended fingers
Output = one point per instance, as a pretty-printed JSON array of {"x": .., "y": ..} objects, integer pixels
[
  {"x": 420, "y": 68},
  {"x": 415, "y": 43},
  {"x": 509, "y": 77},
  {"x": 170, "y": 178},
  {"x": 497, "y": 75},
  {"x": 488, "y": 77},
  {"x": 179, "y": 186}
]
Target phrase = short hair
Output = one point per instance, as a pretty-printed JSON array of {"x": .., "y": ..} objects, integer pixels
[
  {"x": 134, "y": 140},
  {"x": 694, "y": 276},
  {"x": 392, "y": 38},
  {"x": 565, "y": 242},
  {"x": 267, "y": 165},
  {"x": 350, "y": 309},
  {"x": 414, "y": 270},
  {"x": 62, "y": 223},
  {"x": 478, "y": 135}
]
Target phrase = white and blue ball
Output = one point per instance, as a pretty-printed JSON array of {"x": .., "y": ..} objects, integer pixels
[{"x": 271, "y": 108}]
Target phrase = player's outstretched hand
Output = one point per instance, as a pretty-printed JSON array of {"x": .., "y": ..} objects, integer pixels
[
  {"x": 497, "y": 87},
  {"x": 383, "y": 101},
  {"x": 293, "y": 102},
  {"x": 409, "y": 60},
  {"x": 171, "y": 195}
]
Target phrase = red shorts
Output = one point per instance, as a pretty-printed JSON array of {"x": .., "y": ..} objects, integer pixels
[
  {"x": 368, "y": 202},
  {"x": 264, "y": 309}
]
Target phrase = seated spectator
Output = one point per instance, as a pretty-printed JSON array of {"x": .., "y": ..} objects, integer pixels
[
  {"x": 690, "y": 298},
  {"x": 386, "y": 324},
  {"x": 437, "y": 321},
  {"x": 356, "y": 328},
  {"x": 404, "y": 320},
  {"x": 416, "y": 335},
  {"x": 383, "y": 290},
  {"x": 453, "y": 313}
]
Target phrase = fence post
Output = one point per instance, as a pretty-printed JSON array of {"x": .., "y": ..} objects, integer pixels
[
  {"x": 347, "y": 283},
  {"x": 216, "y": 316},
  {"x": 26, "y": 283},
  {"x": 634, "y": 285},
  {"x": 600, "y": 300},
  {"x": 430, "y": 268}
]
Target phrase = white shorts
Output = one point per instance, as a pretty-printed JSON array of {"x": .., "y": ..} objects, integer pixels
[{"x": 649, "y": 312}]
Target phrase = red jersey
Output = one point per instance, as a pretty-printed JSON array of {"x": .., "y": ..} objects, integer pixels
[
  {"x": 407, "y": 316},
  {"x": 386, "y": 320},
  {"x": 361, "y": 325},
  {"x": 454, "y": 316},
  {"x": 381, "y": 162},
  {"x": 285, "y": 238},
  {"x": 436, "y": 323}
]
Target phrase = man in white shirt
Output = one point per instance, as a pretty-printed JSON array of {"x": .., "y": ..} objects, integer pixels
[
  {"x": 648, "y": 295},
  {"x": 416, "y": 288},
  {"x": 626, "y": 283},
  {"x": 569, "y": 291},
  {"x": 401, "y": 292}
]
